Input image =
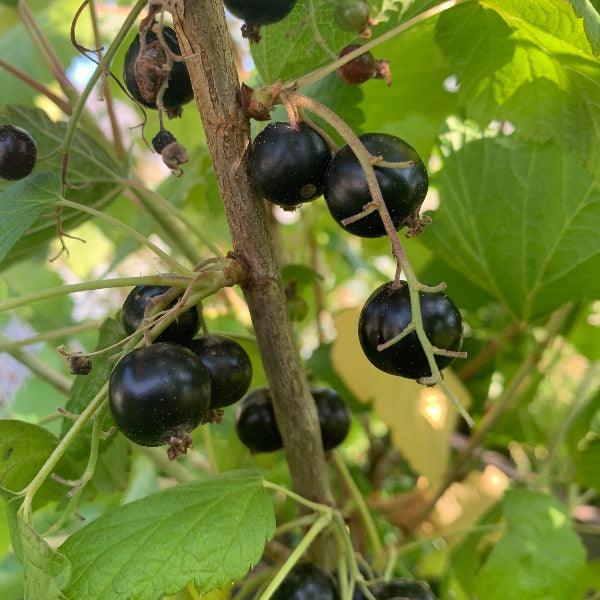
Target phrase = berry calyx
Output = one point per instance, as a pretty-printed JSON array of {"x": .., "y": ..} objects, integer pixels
[
  {"x": 403, "y": 188},
  {"x": 289, "y": 163},
  {"x": 363, "y": 67},
  {"x": 158, "y": 395},
  {"x": 229, "y": 367},
  {"x": 255, "y": 422},
  {"x": 407, "y": 589},
  {"x": 388, "y": 312},
  {"x": 334, "y": 417},
  {"x": 18, "y": 153},
  {"x": 306, "y": 582},
  {"x": 181, "y": 331},
  {"x": 256, "y": 13},
  {"x": 173, "y": 153},
  {"x": 144, "y": 72},
  {"x": 352, "y": 15}
]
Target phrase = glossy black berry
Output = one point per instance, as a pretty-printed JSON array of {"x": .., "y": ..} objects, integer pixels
[
  {"x": 180, "y": 331},
  {"x": 255, "y": 422},
  {"x": 289, "y": 163},
  {"x": 259, "y": 12},
  {"x": 352, "y": 15},
  {"x": 334, "y": 417},
  {"x": 158, "y": 394},
  {"x": 388, "y": 312},
  {"x": 18, "y": 153},
  {"x": 403, "y": 189},
  {"x": 229, "y": 367},
  {"x": 407, "y": 589},
  {"x": 359, "y": 70},
  {"x": 306, "y": 582},
  {"x": 144, "y": 74}
]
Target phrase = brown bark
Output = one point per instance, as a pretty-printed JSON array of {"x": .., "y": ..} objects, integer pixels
[{"x": 203, "y": 35}]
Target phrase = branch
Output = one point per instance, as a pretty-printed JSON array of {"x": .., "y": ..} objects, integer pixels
[{"x": 202, "y": 31}]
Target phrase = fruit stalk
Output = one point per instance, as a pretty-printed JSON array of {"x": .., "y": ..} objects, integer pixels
[{"x": 202, "y": 31}]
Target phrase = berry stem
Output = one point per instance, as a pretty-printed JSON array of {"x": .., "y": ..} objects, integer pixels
[
  {"x": 322, "y": 72},
  {"x": 36, "y": 365},
  {"x": 403, "y": 264},
  {"x": 320, "y": 524},
  {"x": 50, "y": 335}
]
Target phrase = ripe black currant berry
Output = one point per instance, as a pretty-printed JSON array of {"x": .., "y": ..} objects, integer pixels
[
  {"x": 407, "y": 589},
  {"x": 158, "y": 394},
  {"x": 363, "y": 67},
  {"x": 144, "y": 72},
  {"x": 334, "y": 417},
  {"x": 229, "y": 367},
  {"x": 180, "y": 331},
  {"x": 255, "y": 422},
  {"x": 352, "y": 15},
  {"x": 289, "y": 163},
  {"x": 259, "y": 12},
  {"x": 306, "y": 582},
  {"x": 388, "y": 312},
  {"x": 18, "y": 153},
  {"x": 403, "y": 189}
]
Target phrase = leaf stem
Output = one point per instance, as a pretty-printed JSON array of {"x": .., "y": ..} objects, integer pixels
[
  {"x": 320, "y": 524},
  {"x": 101, "y": 284},
  {"x": 314, "y": 506},
  {"x": 361, "y": 505},
  {"x": 37, "y": 366},
  {"x": 167, "y": 259}
]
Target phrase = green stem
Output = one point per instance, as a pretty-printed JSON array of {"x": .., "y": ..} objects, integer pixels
[
  {"x": 361, "y": 506},
  {"x": 165, "y": 209},
  {"x": 30, "y": 491},
  {"x": 414, "y": 286},
  {"x": 320, "y": 524},
  {"x": 346, "y": 590},
  {"x": 304, "y": 521},
  {"x": 314, "y": 506},
  {"x": 321, "y": 72},
  {"x": 168, "y": 260},
  {"x": 37, "y": 366},
  {"x": 50, "y": 335},
  {"x": 209, "y": 446},
  {"x": 64, "y": 290},
  {"x": 105, "y": 63},
  {"x": 173, "y": 469}
]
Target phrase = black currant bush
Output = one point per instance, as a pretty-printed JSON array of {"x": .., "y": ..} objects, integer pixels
[{"x": 205, "y": 396}]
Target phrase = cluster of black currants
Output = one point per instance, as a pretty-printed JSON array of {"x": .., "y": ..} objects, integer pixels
[
  {"x": 257, "y": 428},
  {"x": 293, "y": 165},
  {"x": 159, "y": 393},
  {"x": 307, "y": 582},
  {"x": 18, "y": 153}
]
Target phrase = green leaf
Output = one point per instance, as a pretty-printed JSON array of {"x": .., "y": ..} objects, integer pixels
[
  {"x": 46, "y": 571},
  {"x": 24, "y": 448},
  {"x": 589, "y": 11},
  {"x": 541, "y": 74},
  {"x": 538, "y": 556},
  {"x": 92, "y": 172},
  {"x": 212, "y": 531},
  {"x": 521, "y": 221},
  {"x": 587, "y": 461},
  {"x": 21, "y": 204}
]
